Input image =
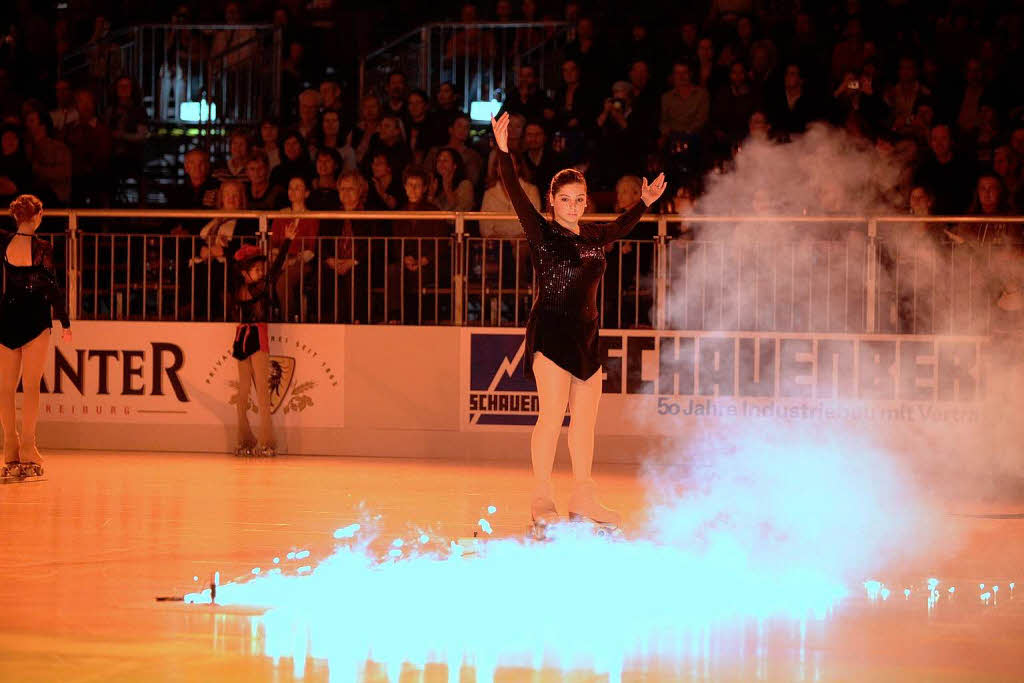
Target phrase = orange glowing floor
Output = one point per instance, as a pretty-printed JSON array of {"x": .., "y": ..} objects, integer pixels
[{"x": 83, "y": 554}]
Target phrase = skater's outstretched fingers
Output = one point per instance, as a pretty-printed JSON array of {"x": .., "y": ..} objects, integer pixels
[
  {"x": 500, "y": 127},
  {"x": 650, "y": 193}
]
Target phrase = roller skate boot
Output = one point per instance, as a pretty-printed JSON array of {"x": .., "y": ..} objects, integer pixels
[
  {"x": 31, "y": 460},
  {"x": 266, "y": 450},
  {"x": 10, "y": 470},
  {"x": 543, "y": 512},
  {"x": 245, "y": 448},
  {"x": 583, "y": 507}
]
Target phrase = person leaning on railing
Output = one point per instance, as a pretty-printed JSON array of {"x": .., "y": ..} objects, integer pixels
[
  {"x": 344, "y": 247},
  {"x": 416, "y": 262},
  {"x": 995, "y": 246},
  {"x": 218, "y": 240},
  {"x": 298, "y": 267}
]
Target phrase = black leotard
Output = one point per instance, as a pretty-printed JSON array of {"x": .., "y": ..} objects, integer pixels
[
  {"x": 563, "y": 323},
  {"x": 32, "y": 298}
]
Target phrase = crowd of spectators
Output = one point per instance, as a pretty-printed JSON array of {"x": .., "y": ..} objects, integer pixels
[{"x": 929, "y": 82}]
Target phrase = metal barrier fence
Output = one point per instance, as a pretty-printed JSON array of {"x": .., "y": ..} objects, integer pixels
[
  {"x": 791, "y": 274},
  {"x": 183, "y": 70},
  {"x": 479, "y": 58}
]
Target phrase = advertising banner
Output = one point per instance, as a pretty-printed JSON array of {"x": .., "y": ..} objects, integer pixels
[{"x": 655, "y": 380}]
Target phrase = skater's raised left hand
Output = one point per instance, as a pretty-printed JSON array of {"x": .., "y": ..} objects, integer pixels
[{"x": 650, "y": 193}]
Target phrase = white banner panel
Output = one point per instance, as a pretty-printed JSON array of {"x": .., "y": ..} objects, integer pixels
[
  {"x": 183, "y": 374},
  {"x": 661, "y": 382}
]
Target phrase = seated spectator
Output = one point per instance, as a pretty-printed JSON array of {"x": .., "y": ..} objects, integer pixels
[
  {"x": 708, "y": 74},
  {"x": 458, "y": 138},
  {"x": 1006, "y": 165},
  {"x": 446, "y": 104},
  {"x": 575, "y": 102},
  {"x": 330, "y": 137},
  {"x": 386, "y": 192},
  {"x": 330, "y": 98},
  {"x": 732, "y": 107},
  {"x": 366, "y": 127},
  {"x": 790, "y": 107},
  {"x": 920, "y": 128},
  {"x": 903, "y": 96},
  {"x": 683, "y": 203},
  {"x": 199, "y": 190},
  {"x": 390, "y": 140},
  {"x": 424, "y": 131},
  {"x": 684, "y": 109},
  {"x": 216, "y": 245},
  {"x": 15, "y": 170},
  {"x": 856, "y": 98},
  {"x": 261, "y": 193},
  {"x": 526, "y": 98},
  {"x": 396, "y": 96},
  {"x": 496, "y": 199},
  {"x": 50, "y": 158},
  {"x": 90, "y": 143},
  {"x": 296, "y": 161},
  {"x": 129, "y": 128},
  {"x": 417, "y": 269},
  {"x": 949, "y": 176},
  {"x": 986, "y": 134},
  {"x": 539, "y": 161},
  {"x": 624, "y": 259},
  {"x": 968, "y": 102},
  {"x": 309, "y": 112},
  {"x": 65, "y": 114},
  {"x": 990, "y": 199},
  {"x": 646, "y": 101},
  {"x": 341, "y": 255},
  {"x": 620, "y": 145},
  {"x": 450, "y": 190},
  {"x": 233, "y": 168},
  {"x": 298, "y": 268},
  {"x": 324, "y": 195},
  {"x": 269, "y": 133}
]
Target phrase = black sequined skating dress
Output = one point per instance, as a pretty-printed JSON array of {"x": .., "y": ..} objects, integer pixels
[
  {"x": 564, "y": 321},
  {"x": 32, "y": 299}
]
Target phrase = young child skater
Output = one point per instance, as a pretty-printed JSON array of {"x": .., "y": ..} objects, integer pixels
[
  {"x": 31, "y": 299},
  {"x": 254, "y": 299},
  {"x": 562, "y": 331}
]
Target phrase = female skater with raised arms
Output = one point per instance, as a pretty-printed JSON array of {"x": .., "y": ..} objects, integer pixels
[
  {"x": 32, "y": 298},
  {"x": 562, "y": 331}
]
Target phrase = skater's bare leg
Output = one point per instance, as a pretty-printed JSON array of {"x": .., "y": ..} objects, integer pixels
[
  {"x": 261, "y": 373},
  {"x": 584, "y": 398},
  {"x": 242, "y": 405},
  {"x": 10, "y": 370},
  {"x": 32, "y": 359},
  {"x": 553, "y": 391}
]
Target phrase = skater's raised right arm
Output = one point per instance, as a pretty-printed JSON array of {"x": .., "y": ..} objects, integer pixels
[
  {"x": 290, "y": 231},
  {"x": 528, "y": 215}
]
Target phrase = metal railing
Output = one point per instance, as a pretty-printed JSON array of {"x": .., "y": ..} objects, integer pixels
[
  {"x": 183, "y": 69},
  {"x": 478, "y": 58},
  {"x": 856, "y": 281}
]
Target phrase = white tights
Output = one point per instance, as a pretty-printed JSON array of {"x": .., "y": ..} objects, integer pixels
[{"x": 556, "y": 387}]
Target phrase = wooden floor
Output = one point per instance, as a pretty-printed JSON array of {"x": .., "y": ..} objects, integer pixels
[{"x": 84, "y": 553}]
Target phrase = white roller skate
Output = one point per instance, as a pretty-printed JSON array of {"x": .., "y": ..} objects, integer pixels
[
  {"x": 543, "y": 512},
  {"x": 583, "y": 507},
  {"x": 31, "y": 461},
  {"x": 245, "y": 448},
  {"x": 10, "y": 471}
]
